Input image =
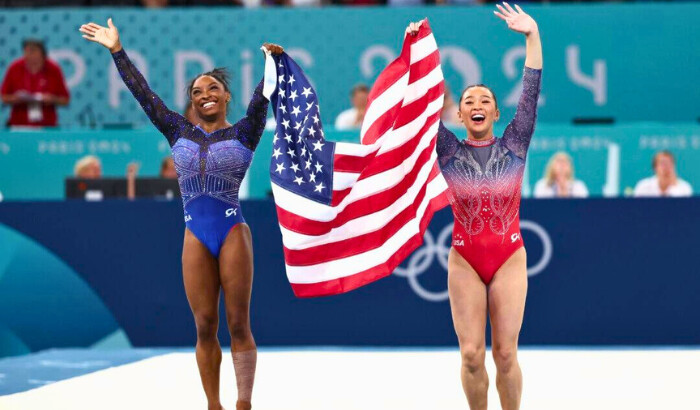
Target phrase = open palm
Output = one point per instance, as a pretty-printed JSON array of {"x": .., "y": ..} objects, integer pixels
[
  {"x": 517, "y": 19},
  {"x": 107, "y": 36}
]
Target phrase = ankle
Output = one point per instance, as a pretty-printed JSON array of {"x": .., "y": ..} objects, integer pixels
[{"x": 243, "y": 405}]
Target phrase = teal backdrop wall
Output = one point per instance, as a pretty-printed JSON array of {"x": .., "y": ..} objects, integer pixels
[
  {"x": 633, "y": 62},
  {"x": 609, "y": 159}
]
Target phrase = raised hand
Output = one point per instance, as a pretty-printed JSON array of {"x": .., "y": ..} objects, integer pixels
[
  {"x": 413, "y": 28},
  {"x": 107, "y": 36},
  {"x": 274, "y": 48},
  {"x": 517, "y": 19}
]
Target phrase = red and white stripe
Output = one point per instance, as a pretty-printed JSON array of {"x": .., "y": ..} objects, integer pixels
[{"x": 385, "y": 190}]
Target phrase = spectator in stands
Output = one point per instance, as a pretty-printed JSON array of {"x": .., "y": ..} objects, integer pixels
[
  {"x": 665, "y": 182},
  {"x": 558, "y": 181},
  {"x": 352, "y": 117},
  {"x": 88, "y": 167},
  {"x": 449, "y": 114},
  {"x": 167, "y": 168},
  {"x": 34, "y": 86}
]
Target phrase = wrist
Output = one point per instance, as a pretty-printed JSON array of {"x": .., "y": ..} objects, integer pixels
[
  {"x": 534, "y": 33},
  {"x": 116, "y": 47}
]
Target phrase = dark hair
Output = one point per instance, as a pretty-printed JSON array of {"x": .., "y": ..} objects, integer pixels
[
  {"x": 357, "y": 88},
  {"x": 664, "y": 152},
  {"x": 33, "y": 42},
  {"x": 495, "y": 100},
  {"x": 221, "y": 75}
]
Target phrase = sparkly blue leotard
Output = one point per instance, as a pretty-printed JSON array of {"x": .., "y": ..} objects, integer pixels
[{"x": 210, "y": 167}]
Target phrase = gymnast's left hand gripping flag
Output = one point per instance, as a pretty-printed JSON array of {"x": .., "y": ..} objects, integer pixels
[{"x": 350, "y": 213}]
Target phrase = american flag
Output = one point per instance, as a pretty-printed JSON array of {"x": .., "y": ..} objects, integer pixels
[{"x": 350, "y": 213}]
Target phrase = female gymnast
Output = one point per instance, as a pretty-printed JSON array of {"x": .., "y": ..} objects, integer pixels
[
  {"x": 211, "y": 159},
  {"x": 487, "y": 270}
]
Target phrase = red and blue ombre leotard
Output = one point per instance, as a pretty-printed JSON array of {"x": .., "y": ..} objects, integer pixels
[
  {"x": 210, "y": 167},
  {"x": 484, "y": 183}
]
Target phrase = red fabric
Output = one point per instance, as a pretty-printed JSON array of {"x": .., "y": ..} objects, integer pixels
[{"x": 47, "y": 81}]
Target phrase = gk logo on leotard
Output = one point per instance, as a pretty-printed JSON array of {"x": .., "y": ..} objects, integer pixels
[
  {"x": 188, "y": 218},
  {"x": 422, "y": 259},
  {"x": 230, "y": 211}
]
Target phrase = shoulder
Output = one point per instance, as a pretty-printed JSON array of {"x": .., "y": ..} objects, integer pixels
[
  {"x": 347, "y": 113},
  {"x": 579, "y": 188},
  {"x": 52, "y": 66},
  {"x": 685, "y": 185},
  {"x": 346, "y": 118},
  {"x": 542, "y": 190},
  {"x": 15, "y": 66},
  {"x": 645, "y": 185}
]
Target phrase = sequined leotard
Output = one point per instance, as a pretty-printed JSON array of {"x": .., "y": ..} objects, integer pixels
[
  {"x": 210, "y": 167},
  {"x": 485, "y": 183}
]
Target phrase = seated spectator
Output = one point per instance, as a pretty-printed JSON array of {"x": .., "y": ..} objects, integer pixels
[
  {"x": 665, "y": 182},
  {"x": 88, "y": 167},
  {"x": 34, "y": 86},
  {"x": 352, "y": 117},
  {"x": 167, "y": 168},
  {"x": 558, "y": 181}
]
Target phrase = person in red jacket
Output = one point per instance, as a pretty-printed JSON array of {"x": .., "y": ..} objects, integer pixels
[{"x": 34, "y": 86}]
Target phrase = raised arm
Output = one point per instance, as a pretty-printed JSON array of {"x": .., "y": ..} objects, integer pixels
[
  {"x": 168, "y": 122},
  {"x": 249, "y": 129},
  {"x": 519, "y": 131}
]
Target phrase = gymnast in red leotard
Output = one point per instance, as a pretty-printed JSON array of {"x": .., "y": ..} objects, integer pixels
[{"x": 487, "y": 270}]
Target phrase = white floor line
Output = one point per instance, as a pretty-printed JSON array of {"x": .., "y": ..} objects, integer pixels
[{"x": 379, "y": 380}]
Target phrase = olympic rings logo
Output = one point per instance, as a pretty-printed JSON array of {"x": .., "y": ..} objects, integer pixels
[{"x": 423, "y": 258}]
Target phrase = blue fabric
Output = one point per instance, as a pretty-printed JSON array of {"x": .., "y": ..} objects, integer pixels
[{"x": 210, "y": 166}]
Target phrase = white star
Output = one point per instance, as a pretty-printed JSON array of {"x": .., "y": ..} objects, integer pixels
[
  {"x": 295, "y": 167},
  {"x": 312, "y": 131},
  {"x": 277, "y": 153},
  {"x": 318, "y": 108},
  {"x": 303, "y": 151},
  {"x": 283, "y": 108},
  {"x": 291, "y": 153},
  {"x": 280, "y": 64},
  {"x": 315, "y": 117},
  {"x": 306, "y": 92},
  {"x": 298, "y": 180},
  {"x": 308, "y": 106},
  {"x": 296, "y": 111},
  {"x": 306, "y": 117},
  {"x": 318, "y": 145},
  {"x": 299, "y": 138},
  {"x": 281, "y": 93},
  {"x": 318, "y": 166},
  {"x": 308, "y": 164},
  {"x": 288, "y": 137},
  {"x": 312, "y": 178},
  {"x": 291, "y": 79},
  {"x": 322, "y": 134},
  {"x": 275, "y": 139},
  {"x": 297, "y": 125},
  {"x": 286, "y": 124},
  {"x": 280, "y": 168},
  {"x": 293, "y": 96},
  {"x": 280, "y": 79},
  {"x": 319, "y": 187}
]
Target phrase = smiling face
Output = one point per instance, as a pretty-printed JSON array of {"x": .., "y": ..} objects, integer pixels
[
  {"x": 209, "y": 98},
  {"x": 478, "y": 111}
]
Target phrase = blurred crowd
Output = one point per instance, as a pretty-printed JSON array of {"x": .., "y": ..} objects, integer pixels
[{"x": 33, "y": 86}]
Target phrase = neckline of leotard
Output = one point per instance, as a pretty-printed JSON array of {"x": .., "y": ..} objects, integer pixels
[
  {"x": 480, "y": 143},
  {"x": 213, "y": 132}
]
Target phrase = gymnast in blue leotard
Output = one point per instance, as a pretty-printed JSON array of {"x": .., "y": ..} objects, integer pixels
[{"x": 211, "y": 158}]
